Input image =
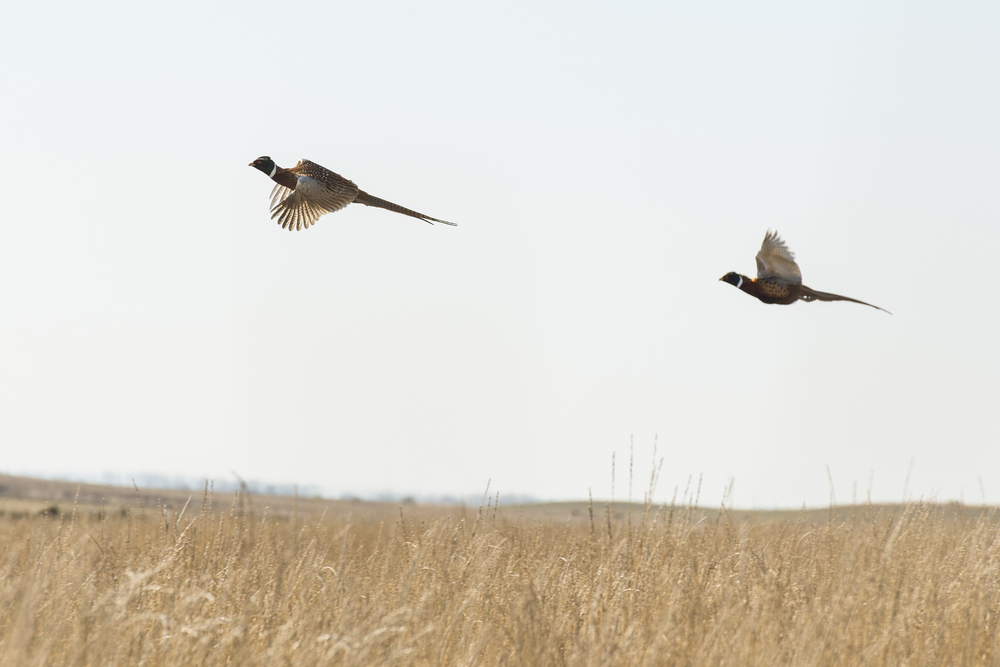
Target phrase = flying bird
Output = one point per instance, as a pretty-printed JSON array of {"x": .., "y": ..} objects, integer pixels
[
  {"x": 307, "y": 191},
  {"x": 779, "y": 279}
]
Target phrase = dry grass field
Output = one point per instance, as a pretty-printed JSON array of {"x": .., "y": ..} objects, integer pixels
[{"x": 236, "y": 583}]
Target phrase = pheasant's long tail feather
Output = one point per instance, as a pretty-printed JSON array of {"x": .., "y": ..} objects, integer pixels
[
  {"x": 809, "y": 294},
  {"x": 369, "y": 200}
]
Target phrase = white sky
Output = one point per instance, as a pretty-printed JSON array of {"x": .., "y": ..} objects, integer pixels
[{"x": 606, "y": 163}]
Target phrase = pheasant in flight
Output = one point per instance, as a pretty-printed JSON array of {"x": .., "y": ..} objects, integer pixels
[
  {"x": 779, "y": 279},
  {"x": 307, "y": 191}
]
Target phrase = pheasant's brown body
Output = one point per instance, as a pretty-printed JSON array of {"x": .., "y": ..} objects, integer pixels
[{"x": 771, "y": 292}]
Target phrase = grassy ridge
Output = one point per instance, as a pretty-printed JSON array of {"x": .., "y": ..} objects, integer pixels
[{"x": 372, "y": 584}]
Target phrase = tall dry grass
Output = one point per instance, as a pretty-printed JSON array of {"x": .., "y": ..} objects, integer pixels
[{"x": 913, "y": 585}]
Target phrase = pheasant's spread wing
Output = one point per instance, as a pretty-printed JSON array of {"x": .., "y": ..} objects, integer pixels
[
  {"x": 317, "y": 192},
  {"x": 775, "y": 262}
]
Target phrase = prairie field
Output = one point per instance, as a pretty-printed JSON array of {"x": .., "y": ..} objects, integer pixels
[{"x": 232, "y": 582}]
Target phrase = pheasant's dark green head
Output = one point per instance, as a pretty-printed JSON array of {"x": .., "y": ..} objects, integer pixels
[
  {"x": 265, "y": 164},
  {"x": 732, "y": 278}
]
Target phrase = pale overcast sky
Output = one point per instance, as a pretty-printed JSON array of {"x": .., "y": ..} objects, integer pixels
[{"x": 606, "y": 163}]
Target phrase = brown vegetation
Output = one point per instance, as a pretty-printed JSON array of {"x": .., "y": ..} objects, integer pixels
[{"x": 369, "y": 584}]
